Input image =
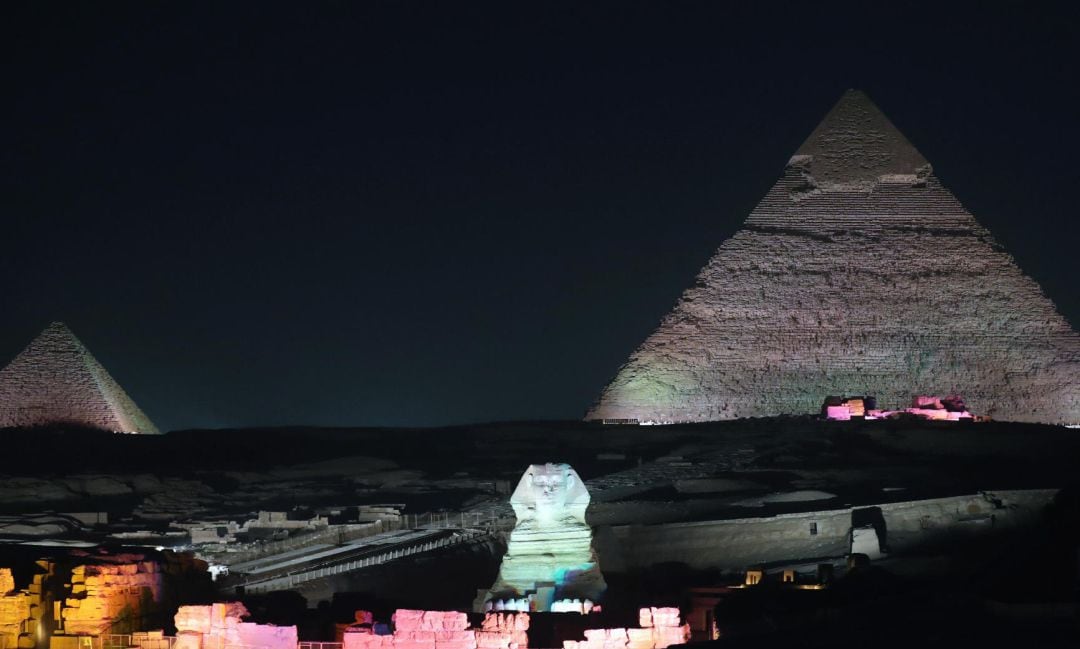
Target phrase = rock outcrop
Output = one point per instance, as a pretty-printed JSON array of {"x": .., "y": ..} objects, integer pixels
[
  {"x": 858, "y": 273},
  {"x": 56, "y": 381}
]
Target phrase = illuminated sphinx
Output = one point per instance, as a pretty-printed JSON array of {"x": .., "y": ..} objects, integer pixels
[{"x": 549, "y": 557}]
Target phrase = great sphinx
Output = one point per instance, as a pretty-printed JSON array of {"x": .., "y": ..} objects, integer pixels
[{"x": 549, "y": 556}]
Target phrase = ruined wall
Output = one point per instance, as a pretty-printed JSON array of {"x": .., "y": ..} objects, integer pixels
[
  {"x": 444, "y": 630},
  {"x": 660, "y": 628},
  {"x": 221, "y": 626},
  {"x": 55, "y": 380},
  {"x": 22, "y": 612},
  {"x": 15, "y": 618},
  {"x": 858, "y": 273},
  {"x": 110, "y": 598},
  {"x": 737, "y": 543}
]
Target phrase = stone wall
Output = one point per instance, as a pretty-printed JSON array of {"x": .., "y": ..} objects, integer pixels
[
  {"x": 56, "y": 381},
  {"x": 733, "y": 545},
  {"x": 858, "y": 273},
  {"x": 103, "y": 596},
  {"x": 660, "y": 628},
  {"x": 444, "y": 630},
  {"x": 22, "y": 612},
  {"x": 221, "y": 626}
]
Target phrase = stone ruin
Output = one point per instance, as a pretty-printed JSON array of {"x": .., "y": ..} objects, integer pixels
[
  {"x": 20, "y": 613},
  {"x": 221, "y": 626},
  {"x": 56, "y": 381},
  {"x": 857, "y": 273},
  {"x": 98, "y": 598},
  {"x": 441, "y": 630},
  {"x": 951, "y": 408},
  {"x": 660, "y": 628},
  {"x": 549, "y": 558},
  {"x": 104, "y": 594}
]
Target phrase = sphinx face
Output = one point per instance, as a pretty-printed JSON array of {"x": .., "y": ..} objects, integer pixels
[{"x": 549, "y": 488}]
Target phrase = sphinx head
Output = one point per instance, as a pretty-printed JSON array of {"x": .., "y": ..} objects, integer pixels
[
  {"x": 550, "y": 484},
  {"x": 550, "y": 492}
]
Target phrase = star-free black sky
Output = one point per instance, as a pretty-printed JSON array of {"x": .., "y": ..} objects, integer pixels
[{"x": 365, "y": 213}]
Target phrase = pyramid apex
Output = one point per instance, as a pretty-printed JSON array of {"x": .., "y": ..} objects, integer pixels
[
  {"x": 855, "y": 143},
  {"x": 56, "y": 325}
]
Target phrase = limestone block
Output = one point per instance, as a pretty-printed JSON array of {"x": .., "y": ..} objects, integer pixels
[
  {"x": 267, "y": 636},
  {"x": 640, "y": 638},
  {"x": 7, "y": 581},
  {"x": 58, "y": 641},
  {"x": 665, "y": 636},
  {"x": 188, "y": 640},
  {"x": 414, "y": 636},
  {"x": 665, "y": 616},
  {"x": 357, "y": 639},
  {"x": 195, "y": 619}
]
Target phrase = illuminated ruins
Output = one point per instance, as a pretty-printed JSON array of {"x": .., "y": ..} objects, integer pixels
[
  {"x": 858, "y": 273},
  {"x": 549, "y": 558},
  {"x": 56, "y": 380}
]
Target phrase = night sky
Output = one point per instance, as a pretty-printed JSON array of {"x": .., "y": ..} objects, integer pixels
[{"x": 396, "y": 213}]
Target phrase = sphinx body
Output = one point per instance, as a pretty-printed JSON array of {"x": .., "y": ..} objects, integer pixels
[{"x": 549, "y": 556}]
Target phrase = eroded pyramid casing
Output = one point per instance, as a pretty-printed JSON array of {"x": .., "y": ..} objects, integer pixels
[
  {"x": 56, "y": 380},
  {"x": 858, "y": 273}
]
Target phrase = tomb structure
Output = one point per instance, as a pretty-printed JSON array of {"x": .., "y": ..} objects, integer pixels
[
  {"x": 549, "y": 557},
  {"x": 56, "y": 381},
  {"x": 858, "y": 273}
]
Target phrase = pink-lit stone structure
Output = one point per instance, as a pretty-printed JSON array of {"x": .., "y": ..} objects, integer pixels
[
  {"x": 932, "y": 408},
  {"x": 56, "y": 380},
  {"x": 660, "y": 628},
  {"x": 549, "y": 556},
  {"x": 858, "y": 273},
  {"x": 443, "y": 630},
  {"x": 221, "y": 626}
]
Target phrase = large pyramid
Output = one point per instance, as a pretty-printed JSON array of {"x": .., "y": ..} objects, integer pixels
[
  {"x": 55, "y": 380},
  {"x": 858, "y": 273}
]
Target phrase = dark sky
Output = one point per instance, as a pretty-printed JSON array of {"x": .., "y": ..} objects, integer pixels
[{"x": 358, "y": 213}]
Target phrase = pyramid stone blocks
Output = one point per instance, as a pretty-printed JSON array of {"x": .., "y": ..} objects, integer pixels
[
  {"x": 56, "y": 380},
  {"x": 858, "y": 273}
]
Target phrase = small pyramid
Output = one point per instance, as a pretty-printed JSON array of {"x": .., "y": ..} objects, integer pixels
[
  {"x": 858, "y": 273},
  {"x": 56, "y": 380}
]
